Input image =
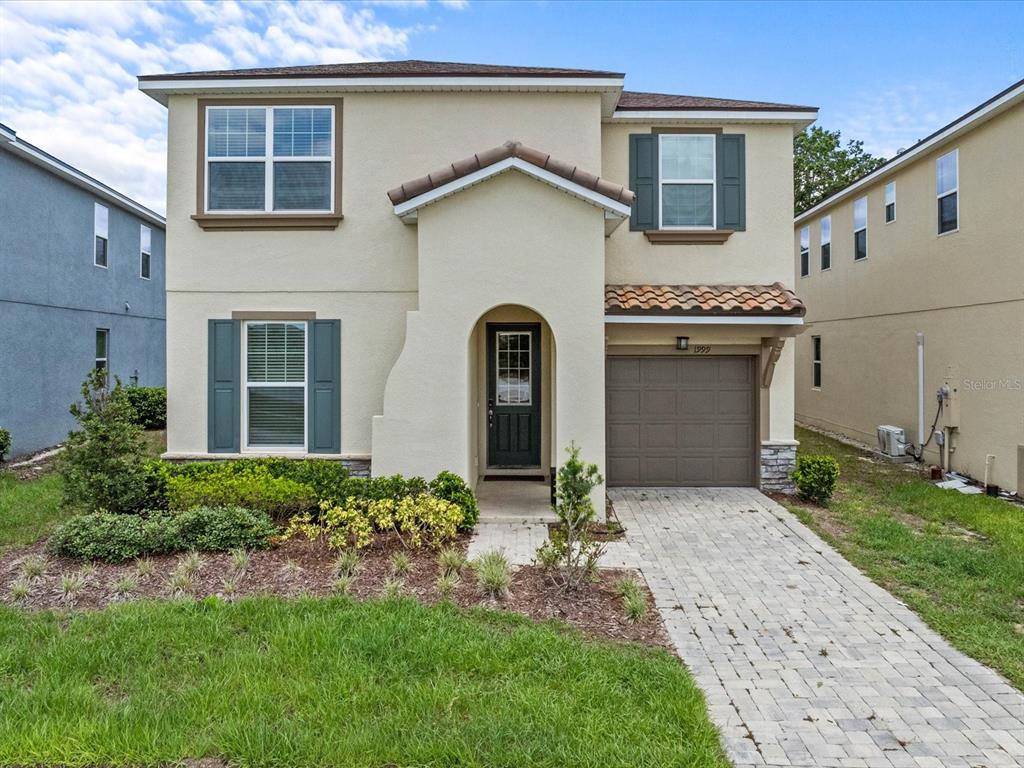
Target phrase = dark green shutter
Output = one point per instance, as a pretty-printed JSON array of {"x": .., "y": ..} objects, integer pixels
[
  {"x": 731, "y": 177},
  {"x": 325, "y": 386},
  {"x": 224, "y": 402},
  {"x": 643, "y": 180}
]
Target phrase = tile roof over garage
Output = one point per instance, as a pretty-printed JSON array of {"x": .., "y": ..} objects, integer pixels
[{"x": 772, "y": 300}]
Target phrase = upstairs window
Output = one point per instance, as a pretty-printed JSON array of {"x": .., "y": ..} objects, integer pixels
[
  {"x": 860, "y": 229},
  {"x": 826, "y": 243},
  {"x": 947, "y": 185},
  {"x": 890, "y": 202},
  {"x": 687, "y": 180},
  {"x": 102, "y": 348},
  {"x": 99, "y": 234},
  {"x": 816, "y": 362},
  {"x": 145, "y": 252},
  {"x": 270, "y": 159},
  {"x": 805, "y": 252}
]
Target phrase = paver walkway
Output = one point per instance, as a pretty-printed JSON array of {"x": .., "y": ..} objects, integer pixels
[{"x": 804, "y": 660}]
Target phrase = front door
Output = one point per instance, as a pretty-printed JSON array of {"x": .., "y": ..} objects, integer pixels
[{"x": 513, "y": 395}]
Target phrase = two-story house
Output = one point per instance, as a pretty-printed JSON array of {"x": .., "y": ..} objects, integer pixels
[
  {"x": 427, "y": 266},
  {"x": 81, "y": 287},
  {"x": 914, "y": 282}
]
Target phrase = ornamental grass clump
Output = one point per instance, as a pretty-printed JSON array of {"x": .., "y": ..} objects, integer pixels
[
  {"x": 400, "y": 564},
  {"x": 634, "y": 602},
  {"x": 20, "y": 590},
  {"x": 451, "y": 561},
  {"x": 347, "y": 563},
  {"x": 71, "y": 584},
  {"x": 33, "y": 567},
  {"x": 446, "y": 584},
  {"x": 493, "y": 574},
  {"x": 125, "y": 585},
  {"x": 393, "y": 589}
]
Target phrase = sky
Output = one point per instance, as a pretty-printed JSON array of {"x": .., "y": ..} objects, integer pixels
[{"x": 886, "y": 73}]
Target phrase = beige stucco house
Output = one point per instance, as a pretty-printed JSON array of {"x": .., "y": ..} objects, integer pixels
[
  {"x": 420, "y": 266},
  {"x": 930, "y": 243}
]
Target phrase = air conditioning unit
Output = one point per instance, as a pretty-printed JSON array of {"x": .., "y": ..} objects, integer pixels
[{"x": 892, "y": 441}]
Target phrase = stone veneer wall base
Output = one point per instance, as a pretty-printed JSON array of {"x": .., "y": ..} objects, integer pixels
[{"x": 777, "y": 461}]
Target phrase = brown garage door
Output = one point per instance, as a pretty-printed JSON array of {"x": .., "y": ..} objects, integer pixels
[{"x": 681, "y": 420}]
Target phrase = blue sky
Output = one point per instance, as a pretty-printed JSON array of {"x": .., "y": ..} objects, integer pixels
[{"x": 887, "y": 73}]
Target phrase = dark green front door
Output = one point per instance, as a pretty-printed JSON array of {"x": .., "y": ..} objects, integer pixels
[{"x": 513, "y": 395}]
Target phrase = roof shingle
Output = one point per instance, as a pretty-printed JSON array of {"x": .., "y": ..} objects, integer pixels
[
  {"x": 480, "y": 160},
  {"x": 772, "y": 300},
  {"x": 637, "y": 100}
]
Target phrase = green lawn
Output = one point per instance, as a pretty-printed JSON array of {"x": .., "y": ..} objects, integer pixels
[
  {"x": 957, "y": 560},
  {"x": 265, "y": 682},
  {"x": 28, "y": 508}
]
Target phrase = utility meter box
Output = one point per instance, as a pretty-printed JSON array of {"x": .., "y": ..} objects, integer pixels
[{"x": 951, "y": 403}]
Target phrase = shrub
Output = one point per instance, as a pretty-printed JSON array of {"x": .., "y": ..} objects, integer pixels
[
  {"x": 118, "y": 538},
  {"x": 815, "y": 477},
  {"x": 5, "y": 443},
  {"x": 102, "y": 462},
  {"x": 149, "y": 405},
  {"x": 253, "y": 488},
  {"x": 451, "y": 487}
]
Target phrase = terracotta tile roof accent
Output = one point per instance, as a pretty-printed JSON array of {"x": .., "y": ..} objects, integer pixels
[
  {"x": 407, "y": 68},
  {"x": 774, "y": 299},
  {"x": 638, "y": 101},
  {"x": 473, "y": 163}
]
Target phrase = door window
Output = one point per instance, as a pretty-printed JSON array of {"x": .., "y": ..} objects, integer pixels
[{"x": 513, "y": 368}]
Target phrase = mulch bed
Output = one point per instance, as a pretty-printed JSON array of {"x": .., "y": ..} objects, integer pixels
[{"x": 299, "y": 567}]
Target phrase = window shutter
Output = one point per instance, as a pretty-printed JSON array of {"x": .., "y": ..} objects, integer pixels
[
  {"x": 731, "y": 177},
  {"x": 643, "y": 180},
  {"x": 223, "y": 428},
  {"x": 325, "y": 386}
]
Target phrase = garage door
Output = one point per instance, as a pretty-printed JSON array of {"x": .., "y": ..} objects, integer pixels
[{"x": 681, "y": 420}]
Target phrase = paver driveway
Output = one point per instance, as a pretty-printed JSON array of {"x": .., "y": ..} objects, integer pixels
[{"x": 803, "y": 659}]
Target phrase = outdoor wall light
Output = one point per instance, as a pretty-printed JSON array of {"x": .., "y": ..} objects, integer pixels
[{"x": 682, "y": 342}]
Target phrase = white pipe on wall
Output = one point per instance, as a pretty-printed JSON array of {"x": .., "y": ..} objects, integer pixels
[{"x": 921, "y": 438}]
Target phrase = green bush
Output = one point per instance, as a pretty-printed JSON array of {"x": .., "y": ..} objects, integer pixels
[
  {"x": 253, "y": 487},
  {"x": 5, "y": 442},
  {"x": 103, "y": 462},
  {"x": 451, "y": 487},
  {"x": 119, "y": 538},
  {"x": 149, "y": 405},
  {"x": 815, "y": 477}
]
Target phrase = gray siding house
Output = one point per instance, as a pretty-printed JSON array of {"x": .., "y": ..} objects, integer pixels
[{"x": 81, "y": 286}]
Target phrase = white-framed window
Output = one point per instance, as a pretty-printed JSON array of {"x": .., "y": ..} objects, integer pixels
[
  {"x": 270, "y": 159},
  {"x": 274, "y": 366},
  {"x": 826, "y": 243},
  {"x": 890, "y": 202},
  {"x": 513, "y": 368},
  {"x": 686, "y": 177},
  {"x": 860, "y": 229},
  {"x": 805, "y": 252},
  {"x": 145, "y": 252},
  {"x": 100, "y": 238},
  {"x": 947, "y": 188},
  {"x": 816, "y": 362},
  {"x": 102, "y": 349}
]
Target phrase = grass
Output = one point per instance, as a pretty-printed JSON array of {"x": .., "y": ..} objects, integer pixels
[
  {"x": 28, "y": 508},
  {"x": 957, "y": 560},
  {"x": 265, "y": 682}
]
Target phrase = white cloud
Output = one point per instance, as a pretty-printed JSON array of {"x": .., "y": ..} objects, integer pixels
[{"x": 68, "y": 69}]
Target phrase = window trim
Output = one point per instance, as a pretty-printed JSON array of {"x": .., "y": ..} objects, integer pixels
[
  {"x": 143, "y": 252},
  {"x": 824, "y": 242},
  {"x": 954, "y": 191},
  {"x": 269, "y": 219},
  {"x": 805, "y": 251},
  {"x": 886, "y": 203},
  {"x": 243, "y": 442},
  {"x": 857, "y": 230},
  {"x": 816, "y": 369},
  {"x": 714, "y": 185},
  {"x": 97, "y": 236}
]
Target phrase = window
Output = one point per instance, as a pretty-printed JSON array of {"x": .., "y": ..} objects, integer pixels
[
  {"x": 687, "y": 179},
  {"x": 99, "y": 231},
  {"x": 102, "y": 348},
  {"x": 826, "y": 243},
  {"x": 145, "y": 252},
  {"x": 860, "y": 229},
  {"x": 275, "y": 385},
  {"x": 513, "y": 385},
  {"x": 805, "y": 251},
  {"x": 890, "y": 202},
  {"x": 816, "y": 361},
  {"x": 291, "y": 170},
  {"x": 946, "y": 188}
]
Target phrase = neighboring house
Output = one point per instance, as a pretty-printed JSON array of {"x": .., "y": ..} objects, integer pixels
[
  {"x": 479, "y": 318},
  {"x": 932, "y": 243},
  {"x": 81, "y": 287}
]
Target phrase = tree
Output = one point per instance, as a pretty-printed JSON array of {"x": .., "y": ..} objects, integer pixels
[{"x": 821, "y": 165}]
